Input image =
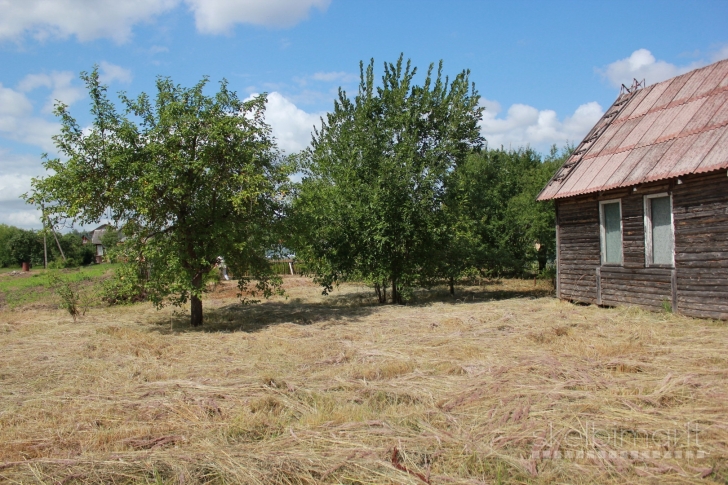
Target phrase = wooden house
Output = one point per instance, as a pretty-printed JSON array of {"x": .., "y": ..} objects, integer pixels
[
  {"x": 642, "y": 203},
  {"x": 96, "y": 236}
]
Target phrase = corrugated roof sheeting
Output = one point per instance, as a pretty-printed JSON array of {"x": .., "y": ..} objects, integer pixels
[
  {"x": 717, "y": 158},
  {"x": 718, "y": 74},
  {"x": 674, "y": 128},
  {"x": 693, "y": 83},
  {"x": 649, "y": 161},
  {"x": 680, "y": 120}
]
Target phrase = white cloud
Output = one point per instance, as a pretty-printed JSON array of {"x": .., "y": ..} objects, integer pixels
[
  {"x": 219, "y": 16},
  {"x": 642, "y": 64},
  {"x": 58, "y": 82},
  {"x": 12, "y": 186},
  {"x": 86, "y": 20},
  {"x": 18, "y": 123},
  {"x": 24, "y": 218},
  {"x": 114, "y": 19},
  {"x": 525, "y": 125},
  {"x": 16, "y": 172},
  {"x": 292, "y": 127},
  {"x": 109, "y": 73}
]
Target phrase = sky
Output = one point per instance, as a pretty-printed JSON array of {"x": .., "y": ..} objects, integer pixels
[{"x": 545, "y": 71}]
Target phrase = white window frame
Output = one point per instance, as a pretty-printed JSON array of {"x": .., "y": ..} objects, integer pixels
[
  {"x": 602, "y": 239},
  {"x": 648, "y": 230}
]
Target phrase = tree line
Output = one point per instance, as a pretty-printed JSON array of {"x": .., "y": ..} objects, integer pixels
[
  {"x": 19, "y": 246},
  {"x": 397, "y": 188}
]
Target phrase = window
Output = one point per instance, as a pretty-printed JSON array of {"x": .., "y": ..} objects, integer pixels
[
  {"x": 610, "y": 214},
  {"x": 659, "y": 234}
]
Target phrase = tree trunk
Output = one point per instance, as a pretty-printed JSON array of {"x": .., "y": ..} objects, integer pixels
[
  {"x": 396, "y": 295},
  {"x": 452, "y": 286},
  {"x": 381, "y": 291},
  {"x": 196, "y": 304}
]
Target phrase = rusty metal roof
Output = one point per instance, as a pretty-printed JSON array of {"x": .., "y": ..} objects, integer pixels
[{"x": 673, "y": 128}]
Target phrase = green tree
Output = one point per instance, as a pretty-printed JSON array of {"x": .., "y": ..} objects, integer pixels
[
  {"x": 6, "y": 234},
  {"x": 370, "y": 204},
  {"x": 25, "y": 247},
  {"x": 76, "y": 253},
  {"x": 493, "y": 197},
  {"x": 189, "y": 177}
]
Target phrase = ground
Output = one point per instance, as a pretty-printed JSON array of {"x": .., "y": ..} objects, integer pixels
[{"x": 503, "y": 384}]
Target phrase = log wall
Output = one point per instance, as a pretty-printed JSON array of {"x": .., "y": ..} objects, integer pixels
[
  {"x": 698, "y": 283},
  {"x": 700, "y": 214}
]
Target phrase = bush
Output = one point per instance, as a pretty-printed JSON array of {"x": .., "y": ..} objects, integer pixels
[
  {"x": 73, "y": 298},
  {"x": 127, "y": 286}
]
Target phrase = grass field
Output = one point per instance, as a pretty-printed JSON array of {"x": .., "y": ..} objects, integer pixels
[
  {"x": 19, "y": 289},
  {"x": 504, "y": 384}
]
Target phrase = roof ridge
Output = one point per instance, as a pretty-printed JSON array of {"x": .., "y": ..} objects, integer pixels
[
  {"x": 598, "y": 130},
  {"x": 714, "y": 92},
  {"x": 661, "y": 140}
]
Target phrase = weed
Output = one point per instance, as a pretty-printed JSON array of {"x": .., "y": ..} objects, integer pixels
[{"x": 70, "y": 294}]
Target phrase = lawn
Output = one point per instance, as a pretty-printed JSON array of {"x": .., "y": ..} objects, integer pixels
[{"x": 503, "y": 384}]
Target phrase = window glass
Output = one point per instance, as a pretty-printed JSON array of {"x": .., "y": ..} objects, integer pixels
[
  {"x": 661, "y": 221},
  {"x": 612, "y": 233}
]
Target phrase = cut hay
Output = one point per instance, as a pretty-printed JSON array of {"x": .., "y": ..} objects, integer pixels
[{"x": 503, "y": 384}]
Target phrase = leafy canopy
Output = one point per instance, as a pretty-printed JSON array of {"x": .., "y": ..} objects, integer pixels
[
  {"x": 501, "y": 229},
  {"x": 370, "y": 204},
  {"x": 188, "y": 177}
]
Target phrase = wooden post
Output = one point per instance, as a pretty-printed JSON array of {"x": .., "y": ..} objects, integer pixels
[
  {"x": 45, "y": 234},
  {"x": 599, "y": 285},
  {"x": 58, "y": 244}
]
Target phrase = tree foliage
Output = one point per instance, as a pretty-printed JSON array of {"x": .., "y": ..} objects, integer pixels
[
  {"x": 370, "y": 204},
  {"x": 24, "y": 247},
  {"x": 6, "y": 234},
  {"x": 500, "y": 227},
  {"x": 189, "y": 177}
]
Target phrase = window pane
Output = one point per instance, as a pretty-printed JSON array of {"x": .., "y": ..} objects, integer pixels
[
  {"x": 661, "y": 231},
  {"x": 612, "y": 233}
]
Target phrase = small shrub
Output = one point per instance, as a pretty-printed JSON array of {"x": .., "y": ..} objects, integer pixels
[
  {"x": 548, "y": 273},
  {"x": 73, "y": 298}
]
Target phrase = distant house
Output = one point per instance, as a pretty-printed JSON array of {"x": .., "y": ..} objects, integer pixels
[
  {"x": 96, "y": 236},
  {"x": 642, "y": 204}
]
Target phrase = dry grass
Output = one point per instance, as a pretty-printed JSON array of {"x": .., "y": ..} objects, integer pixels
[{"x": 323, "y": 390}]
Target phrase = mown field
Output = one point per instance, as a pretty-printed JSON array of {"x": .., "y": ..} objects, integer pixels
[{"x": 504, "y": 384}]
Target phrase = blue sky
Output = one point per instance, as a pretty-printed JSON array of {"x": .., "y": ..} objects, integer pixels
[{"x": 546, "y": 70}]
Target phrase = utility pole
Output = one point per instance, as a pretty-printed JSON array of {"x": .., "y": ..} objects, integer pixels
[{"x": 45, "y": 233}]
